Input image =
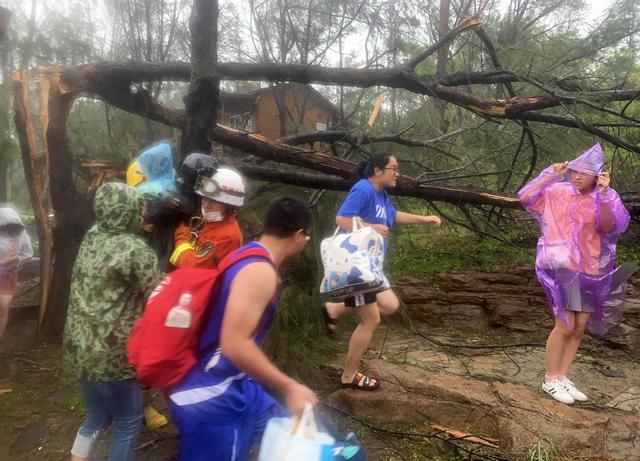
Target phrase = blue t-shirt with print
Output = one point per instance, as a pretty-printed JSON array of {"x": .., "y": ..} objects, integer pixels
[{"x": 369, "y": 204}]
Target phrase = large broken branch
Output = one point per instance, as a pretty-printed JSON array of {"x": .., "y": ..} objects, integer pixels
[
  {"x": 142, "y": 104},
  {"x": 92, "y": 77},
  {"x": 346, "y": 136},
  {"x": 34, "y": 160},
  {"x": 73, "y": 212},
  {"x": 289, "y": 176}
]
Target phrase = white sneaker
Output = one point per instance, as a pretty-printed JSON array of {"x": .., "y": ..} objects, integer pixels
[
  {"x": 573, "y": 391},
  {"x": 556, "y": 389}
]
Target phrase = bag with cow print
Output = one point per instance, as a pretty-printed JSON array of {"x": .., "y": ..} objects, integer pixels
[{"x": 352, "y": 262}]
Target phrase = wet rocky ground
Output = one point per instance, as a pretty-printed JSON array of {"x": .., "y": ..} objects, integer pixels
[{"x": 461, "y": 367}]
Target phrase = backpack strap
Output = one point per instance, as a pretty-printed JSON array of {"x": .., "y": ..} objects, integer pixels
[
  {"x": 236, "y": 256},
  {"x": 225, "y": 264}
]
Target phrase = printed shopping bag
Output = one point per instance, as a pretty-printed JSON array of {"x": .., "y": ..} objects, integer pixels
[
  {"x": 352, "y": 262},
  {"x": 295, "y": 439}
]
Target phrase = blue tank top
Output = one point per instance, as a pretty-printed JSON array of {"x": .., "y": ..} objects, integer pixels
[{"x": 213, "y": 373}]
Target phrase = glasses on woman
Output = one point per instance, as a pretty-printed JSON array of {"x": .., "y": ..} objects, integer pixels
[{"x": 394, "y": 168}]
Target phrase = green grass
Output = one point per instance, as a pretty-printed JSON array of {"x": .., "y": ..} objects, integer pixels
[
  {"x": 297, "y": 342},
  {"x": 541, "y": 451},
  {"x": 422, "y": 255},
  {"x": 628, "y": 254}
]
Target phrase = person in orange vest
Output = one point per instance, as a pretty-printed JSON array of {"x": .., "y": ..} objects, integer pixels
[{"x": 208, "y": 238}]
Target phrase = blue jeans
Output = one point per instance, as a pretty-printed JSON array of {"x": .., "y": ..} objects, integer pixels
[{"x": 107, "y": 402}]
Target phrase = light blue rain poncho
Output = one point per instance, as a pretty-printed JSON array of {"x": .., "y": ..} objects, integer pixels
[{"x": 156, "y": 163}]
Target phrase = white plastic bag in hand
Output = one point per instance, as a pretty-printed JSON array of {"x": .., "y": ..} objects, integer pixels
[{"x": 295, "y": 439}]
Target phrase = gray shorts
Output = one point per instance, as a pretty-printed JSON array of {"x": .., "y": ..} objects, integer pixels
[{"x": 575, "y": 302}]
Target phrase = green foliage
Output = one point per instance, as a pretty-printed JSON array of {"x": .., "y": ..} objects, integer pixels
[
  {"x": 422, "y": 254},
  {"x": 297, "y": 343},
  {"x": 628, "y": 254}
]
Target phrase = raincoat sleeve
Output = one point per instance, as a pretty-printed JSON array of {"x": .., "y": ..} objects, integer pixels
[
  {"x": 146, "y": 270},
  {"x": 612, "y": 217},
  {"x": 533, "y": 195}
]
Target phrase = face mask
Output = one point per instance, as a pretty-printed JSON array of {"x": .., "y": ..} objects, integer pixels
[{"x": 212, "y": 216}]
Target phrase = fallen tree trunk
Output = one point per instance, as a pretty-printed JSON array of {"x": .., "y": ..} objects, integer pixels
[{"x": 92, "y": 77}]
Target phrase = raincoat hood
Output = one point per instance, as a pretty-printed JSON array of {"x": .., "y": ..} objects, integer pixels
[
  {"x": 118, "y": 207},
  {"x": 591, "y": 162},
  {"x": 156, "y": 164},
  {"x": 10, "y": 217},
  {"x": 14, "y": 244}
]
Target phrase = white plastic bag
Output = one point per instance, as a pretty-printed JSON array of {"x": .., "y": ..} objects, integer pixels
[
  {"x": 352, "y": 262},
  {"x": 295, "y": 439}
]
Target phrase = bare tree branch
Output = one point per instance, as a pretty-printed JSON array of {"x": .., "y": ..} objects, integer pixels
[{"x": 469, "y": 23}]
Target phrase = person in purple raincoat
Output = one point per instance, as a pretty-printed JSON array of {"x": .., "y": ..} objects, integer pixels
[{"x": 580, "y": 219}]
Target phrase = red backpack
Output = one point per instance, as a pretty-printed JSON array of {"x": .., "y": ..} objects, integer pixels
[{"x": 163, "y": 344}]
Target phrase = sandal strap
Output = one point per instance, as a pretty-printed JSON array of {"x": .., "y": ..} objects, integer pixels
[{"x": 362, "y": 380}]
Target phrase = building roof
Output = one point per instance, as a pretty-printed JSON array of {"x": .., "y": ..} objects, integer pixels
[{"x": 252, "y": 95}]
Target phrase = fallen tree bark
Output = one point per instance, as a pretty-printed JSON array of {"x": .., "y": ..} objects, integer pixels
[
  {"x": 100, "y": 77},
  {"x": 35, "y": 162}
]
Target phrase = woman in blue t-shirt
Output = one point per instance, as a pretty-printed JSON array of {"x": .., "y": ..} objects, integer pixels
[{"x": 369, "y": 201}]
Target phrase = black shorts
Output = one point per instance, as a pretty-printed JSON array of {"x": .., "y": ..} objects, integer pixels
[{"x": 362, "y": 299}]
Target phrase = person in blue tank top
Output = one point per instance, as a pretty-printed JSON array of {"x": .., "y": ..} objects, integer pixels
[
  {"x": 368, "y": 200},
  {"x": 222, "y": 406}
]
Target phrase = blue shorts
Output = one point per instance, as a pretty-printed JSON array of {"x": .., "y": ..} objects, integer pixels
[{"x": 225, "y": 428}]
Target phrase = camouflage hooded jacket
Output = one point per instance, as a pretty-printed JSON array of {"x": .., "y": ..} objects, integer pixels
[{"x": 112, "y": 275}]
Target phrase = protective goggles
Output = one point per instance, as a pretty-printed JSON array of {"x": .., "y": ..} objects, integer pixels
[
  {"x": 207, "y": 186},
  {"x": 211, "y": 188}
]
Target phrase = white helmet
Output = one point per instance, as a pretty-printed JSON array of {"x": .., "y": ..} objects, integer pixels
[{"x": 225, "y": 186}]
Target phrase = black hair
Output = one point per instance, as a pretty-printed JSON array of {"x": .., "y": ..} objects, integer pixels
[
  {"x": 366, "y": 168},
  {"x": 285, "y": 216}
]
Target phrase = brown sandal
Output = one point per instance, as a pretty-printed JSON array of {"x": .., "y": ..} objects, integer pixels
[{"x": 362, "y": 382}]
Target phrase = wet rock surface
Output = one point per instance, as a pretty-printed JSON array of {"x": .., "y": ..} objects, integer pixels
[{"x": 475, "y": 362}]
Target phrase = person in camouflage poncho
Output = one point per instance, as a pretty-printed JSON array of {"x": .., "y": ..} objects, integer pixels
[{"x": 114, "y": 272}]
